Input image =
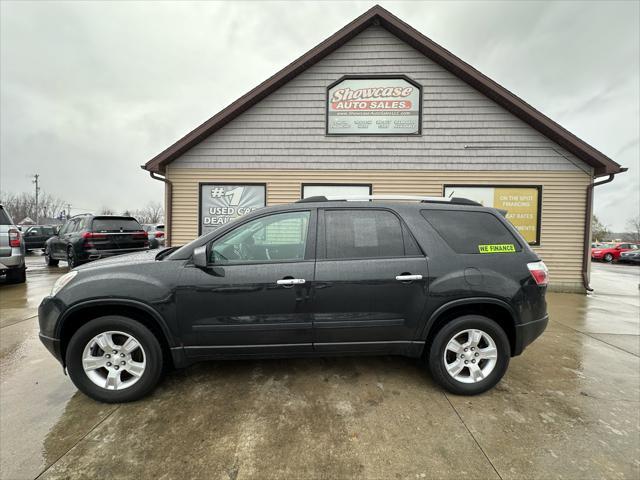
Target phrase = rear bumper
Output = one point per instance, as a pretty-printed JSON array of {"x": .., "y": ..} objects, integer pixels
[
  {"x": 528, "y": 332},
  {"x": 14, "y": 261},
  {"x": 93, "y": 254}
]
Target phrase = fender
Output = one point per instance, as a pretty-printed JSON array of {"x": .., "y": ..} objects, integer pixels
[
  {"x": 465, "y": 301},
  {"x": 122, "y": 302}
]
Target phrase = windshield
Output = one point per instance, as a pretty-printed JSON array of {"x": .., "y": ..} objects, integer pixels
[
  {"x": 115, "y": 224},
  {"x": 607, "y": 245}
]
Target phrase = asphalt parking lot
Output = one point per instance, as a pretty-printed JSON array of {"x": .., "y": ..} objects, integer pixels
[{"x": 569, "y": 407}]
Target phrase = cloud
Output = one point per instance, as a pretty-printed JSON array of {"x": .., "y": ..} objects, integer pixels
[{"x": 91, "y": 90}]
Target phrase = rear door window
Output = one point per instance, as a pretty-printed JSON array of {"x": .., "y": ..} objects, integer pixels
[
  {"x": 472, "y": 232},
  {"x": 115, "y": 225},
  {"x": 363, "y": 234}
]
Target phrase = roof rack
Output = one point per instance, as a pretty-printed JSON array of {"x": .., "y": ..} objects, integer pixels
[{"x": 410, "y": 198}]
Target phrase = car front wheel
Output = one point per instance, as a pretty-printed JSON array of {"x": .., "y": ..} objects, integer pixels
[
  {"x": 608, "y": 258},
  {"x": 469, "y": 355},
  {"x": 114, "y": 359}
]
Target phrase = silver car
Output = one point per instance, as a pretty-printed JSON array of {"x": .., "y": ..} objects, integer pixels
[{"x": 12, "y": 250}]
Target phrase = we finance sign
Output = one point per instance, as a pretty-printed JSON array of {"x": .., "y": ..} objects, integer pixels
[{"x": 374, "y": 106}]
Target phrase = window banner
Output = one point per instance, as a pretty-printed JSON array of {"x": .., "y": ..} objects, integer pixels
[{"x": 222, "y": 203}]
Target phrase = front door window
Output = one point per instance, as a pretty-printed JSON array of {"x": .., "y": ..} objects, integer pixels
[{"x": 275, "y": 238}]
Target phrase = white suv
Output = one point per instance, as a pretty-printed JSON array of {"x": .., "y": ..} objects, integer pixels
[{"x": 11, "y": 250}]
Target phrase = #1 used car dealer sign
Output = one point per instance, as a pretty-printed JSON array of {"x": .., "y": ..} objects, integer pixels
[
  {"x": 373, "y": 106},
  {"x": 221, "y": 203}
]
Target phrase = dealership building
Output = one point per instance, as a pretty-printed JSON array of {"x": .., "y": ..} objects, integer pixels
[{"x": 378, "y": 108}]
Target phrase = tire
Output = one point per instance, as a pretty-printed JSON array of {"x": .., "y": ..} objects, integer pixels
[
  {"x": 72, "y": 259},
  {"x": 48, "y": 260},
  {"x": 148, "y": 352},
  {"x": 17, "y": 275},
  {"x": 465, "y": 384},
  {"x": 608, "y": 258}
]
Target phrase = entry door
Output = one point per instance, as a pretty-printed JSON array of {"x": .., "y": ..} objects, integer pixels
[
  {"x": 254, "y": 298},
  {"x": 371, "y": 283}
]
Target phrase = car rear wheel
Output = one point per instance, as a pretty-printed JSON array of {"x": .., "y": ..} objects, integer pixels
[
  {"x": 608, "y": 258},
  {"x": 114, "y": 359},
  {"x": 72, "y": 260},
  {"x": 469, "y": 355},
  {"x": 48, "y": 260}
]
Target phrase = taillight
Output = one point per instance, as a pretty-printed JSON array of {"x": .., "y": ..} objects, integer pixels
[
  {"x": 159, "y": 234},
  {"x": 539, "y": 272},
  {"x": 14, "y": 237},
  {"x": 94, "y": 236},
  {"x": 141, "y": 234}
]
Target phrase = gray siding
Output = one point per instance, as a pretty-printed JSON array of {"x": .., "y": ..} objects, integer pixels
[{"x": 462, "y": 129}]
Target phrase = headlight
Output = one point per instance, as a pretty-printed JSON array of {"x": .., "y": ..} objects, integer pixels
[{"x": 61, "y": 282}]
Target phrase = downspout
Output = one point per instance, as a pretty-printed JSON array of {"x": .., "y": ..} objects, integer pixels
[
  {"x": 587, "y": 231},
  {"x": 168, "y": 216}
]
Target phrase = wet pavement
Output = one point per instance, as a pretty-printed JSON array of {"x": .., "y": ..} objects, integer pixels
[{"x": 569, "y": 407}]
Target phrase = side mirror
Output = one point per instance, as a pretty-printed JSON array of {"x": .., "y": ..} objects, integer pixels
[{"x": 200, "y": 257}]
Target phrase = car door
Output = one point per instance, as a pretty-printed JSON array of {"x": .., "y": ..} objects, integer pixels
[
  {"x": 254, "y": 296},
  {"x": 56, "y": 249},
  {"x": 32, "y": 237},
  {"x": 370, "y": 284}
]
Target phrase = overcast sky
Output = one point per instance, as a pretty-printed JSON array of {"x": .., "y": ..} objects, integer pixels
[{"x": 91, "y": 90}]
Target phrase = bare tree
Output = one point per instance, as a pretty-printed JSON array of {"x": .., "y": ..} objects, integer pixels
[
  {"x": 22, "y": 205},
  {"x": 598, "y": 230},
  {"x": 106, "y": 211},
  {"x": 633, "y": 225}
]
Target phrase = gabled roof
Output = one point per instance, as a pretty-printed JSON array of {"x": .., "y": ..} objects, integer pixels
[{"x": 377, "y": 15}]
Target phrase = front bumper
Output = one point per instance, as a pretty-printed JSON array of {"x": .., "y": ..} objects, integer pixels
[
  {"x": 48, "y": 313},
  {"x": 528, "y": 332}
]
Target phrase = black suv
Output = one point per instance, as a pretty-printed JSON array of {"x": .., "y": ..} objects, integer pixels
[
  {"x": 446, "y": 280},
  {"x": 90, "y": 237}
]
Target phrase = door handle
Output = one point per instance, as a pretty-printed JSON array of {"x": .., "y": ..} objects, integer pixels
[
  {"x": 291, "y": 281},
  {"x": 408, "y": 278}
]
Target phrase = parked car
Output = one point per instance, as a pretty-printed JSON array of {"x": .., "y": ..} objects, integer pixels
[
  {"x": 12, "y": 250},
  {"x": 89, "y": 237},
  {"x": 630, "y": 256},
  {"x": 611, "y": 251},
  {"x": 37, "y": 235},
  {"x": 443, "y": 279},
  {"x": 156, "y": 235}
]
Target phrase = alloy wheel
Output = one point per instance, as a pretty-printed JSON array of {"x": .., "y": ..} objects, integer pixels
[
  {"x": 470, "y": 356},
  {"x": 114, "y": 360}
]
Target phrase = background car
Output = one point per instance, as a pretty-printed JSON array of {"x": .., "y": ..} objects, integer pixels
[
  {"x": 156, "y": 234},
  {"x": 37, "y": 235},
  {"x": 631, "y": 256},
  {"x": 11, "y": 250},
  {"x": 611, "y": 251},
  {"x": 89, "y": 237}
]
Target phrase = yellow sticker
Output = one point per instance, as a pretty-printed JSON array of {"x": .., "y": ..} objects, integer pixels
[{"x": 499, "y": 248}]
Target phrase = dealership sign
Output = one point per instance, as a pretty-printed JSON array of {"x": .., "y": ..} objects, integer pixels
[
  {"x": 222, "y": 203},
  {"x": 374, "y": 106},
  {"x": 522, "y": 203}
]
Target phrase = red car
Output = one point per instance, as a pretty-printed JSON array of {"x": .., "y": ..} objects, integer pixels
[{"x": 611, "y": 251}]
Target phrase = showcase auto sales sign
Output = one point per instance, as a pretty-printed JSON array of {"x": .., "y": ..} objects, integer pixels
[{"x": 370, "y": 106}]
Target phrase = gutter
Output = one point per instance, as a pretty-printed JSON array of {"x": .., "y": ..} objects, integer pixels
[
  {"x": 167, "y": 214},
  {"x": 587, "y": 229}
]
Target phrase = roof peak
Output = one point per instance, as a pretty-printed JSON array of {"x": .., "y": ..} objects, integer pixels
[{"x": 378, "y": 15}]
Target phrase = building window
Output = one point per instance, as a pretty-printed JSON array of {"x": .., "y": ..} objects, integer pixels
[{"x": 333, "y": 190}]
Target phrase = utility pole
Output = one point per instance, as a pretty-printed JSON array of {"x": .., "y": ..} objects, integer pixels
[{"x": 35, "y": 180}]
